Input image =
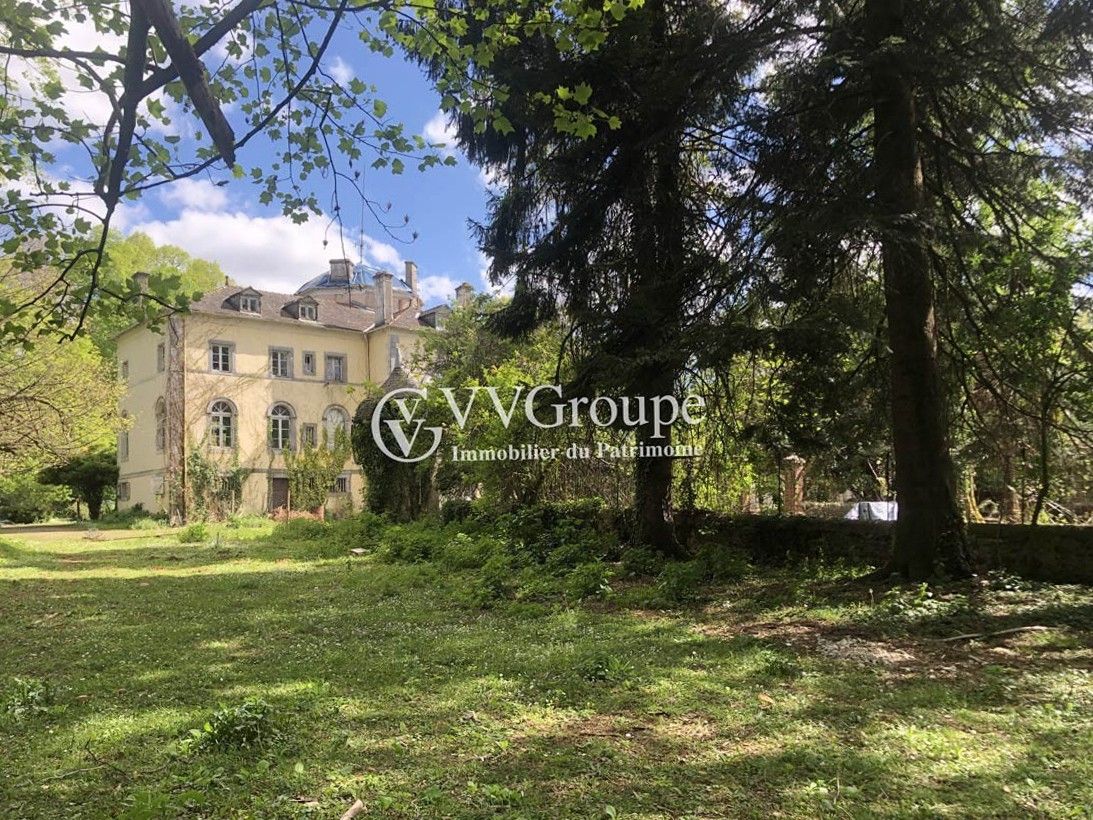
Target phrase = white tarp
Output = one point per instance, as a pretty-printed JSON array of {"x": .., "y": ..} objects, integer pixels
[{"x": 874, "y": 511}]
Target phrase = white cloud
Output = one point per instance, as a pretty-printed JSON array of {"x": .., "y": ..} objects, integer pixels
[
  {"x": 439, "y": 130},
  {"x": 341, "y": 71},
  {"x": 437, "y": 288},
  {"x": 267, "y": 252},
  {"x": 197, "y": 194},
  {"x": 270, "y": 253},
  {"x": 381, "y": 255}
]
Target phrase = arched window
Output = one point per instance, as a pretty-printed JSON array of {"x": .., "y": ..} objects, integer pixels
[
  {"x": 161, "y": 425},
  {"x": 334, "y": 419},
  {"x": 222, "y": 424},
  {"x": 280, "y": 427}
]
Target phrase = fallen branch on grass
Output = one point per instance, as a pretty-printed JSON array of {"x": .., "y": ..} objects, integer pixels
[
  {"x": 972, "y": 635},
  {"x": 353, "y": 810}
]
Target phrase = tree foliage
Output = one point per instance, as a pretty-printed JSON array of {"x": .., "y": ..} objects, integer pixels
[{"x": 89, "y": 476}]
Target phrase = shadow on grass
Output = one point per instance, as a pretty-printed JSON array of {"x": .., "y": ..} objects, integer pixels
[{"x": 385, "y": 688}]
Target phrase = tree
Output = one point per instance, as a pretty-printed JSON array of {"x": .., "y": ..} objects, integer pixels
[
  {"x": 182, "y": 278},
  {"x": 56, "y": 402},
  {"x": 142, "y": 63},
  {"x": 614, "y": 223},
  {"x": 895, "y": 129},
  {"x": 88, "y": 476}
]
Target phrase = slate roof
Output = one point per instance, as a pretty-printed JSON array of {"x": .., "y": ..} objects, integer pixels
[{"x": 331, "y": 313}]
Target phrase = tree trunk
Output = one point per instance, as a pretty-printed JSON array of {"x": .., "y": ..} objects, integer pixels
[
  {"x": 929, "y": 532},
  {"x": 94, "y": 504},
  {"x": 1044, "y": 460},
  {"x": 654, "y": 523}
]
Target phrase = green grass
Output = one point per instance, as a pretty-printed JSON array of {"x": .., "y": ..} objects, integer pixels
[{"x": 382, "y": 686}]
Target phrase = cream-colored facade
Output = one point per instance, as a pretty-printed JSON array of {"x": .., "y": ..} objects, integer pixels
[{"x": 247, "y": 374}]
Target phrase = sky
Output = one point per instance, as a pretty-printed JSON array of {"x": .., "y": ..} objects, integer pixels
[{"x": 258, "y": 246}]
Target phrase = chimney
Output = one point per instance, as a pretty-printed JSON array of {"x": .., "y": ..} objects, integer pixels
[
  {"x": 463, "y": 294},
  {"x": 227, "y": 280},
  {"x": 341, "y": 270},
  {"x": 411, "y": 276},
  {"x": 384, "y": 297}
]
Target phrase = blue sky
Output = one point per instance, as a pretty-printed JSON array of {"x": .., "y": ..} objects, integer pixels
[{"x": 256, "y": 245}]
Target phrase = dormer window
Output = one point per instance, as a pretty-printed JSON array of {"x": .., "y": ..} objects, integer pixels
[
  {"x": 249, "y": 303},
  {"x": 309, "y": 312}
]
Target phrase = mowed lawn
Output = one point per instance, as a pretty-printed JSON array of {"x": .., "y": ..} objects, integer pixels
[{"x": 800, "y": 694}]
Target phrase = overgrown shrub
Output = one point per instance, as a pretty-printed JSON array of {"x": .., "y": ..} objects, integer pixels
[
  {"x": 299, "y": 529},
  {"x": 466, "y": 551},
  {"x": 642, "y": 562},
  {"x": 244, "y": 726},
  {"x": 680, "y": 581},
  {"x": 456, "y": 510},
  {"x": 588, "y": 580},
  {"x": 721, "y": 562},
  {"x": 194, "y": 534}
]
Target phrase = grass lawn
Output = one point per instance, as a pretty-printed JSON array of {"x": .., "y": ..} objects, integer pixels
[{"x": 782, "y": 695}]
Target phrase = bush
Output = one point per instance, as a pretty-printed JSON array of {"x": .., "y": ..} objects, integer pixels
[
  {"x": 29, "y": 697},
  {"x": 465, "y": 551},
  {"x": 722, "y": 563},
  {"x": 24, "y": 500},
  {"x": 248, "y": 725},
  {"x": 587, "y": 580},
  {"x": 680, "y": 581},
  {"x": 194, "y": 534},
  {"x": 456, "y": 510},
  {"x": 135, "y": 518},
  {"x": 642, "y": 562},
  {"x": 410, "y": 543},
  {"x": 299, "y": 529}
]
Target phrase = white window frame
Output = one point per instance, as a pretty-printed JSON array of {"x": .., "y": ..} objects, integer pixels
[
  {"x": 305, "y": 368},
  {"x": 217, "y": 428},
  {"x": 286, "y": 429},
  {"x": 311, "y": 310},
  {"x": 249, "y": 303}
]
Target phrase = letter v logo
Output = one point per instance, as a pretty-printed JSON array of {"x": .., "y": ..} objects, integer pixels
[{"x": 396, "y": 426}]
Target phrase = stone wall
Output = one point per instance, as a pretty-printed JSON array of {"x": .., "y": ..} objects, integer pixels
[{"x": 1044, "y": 553}]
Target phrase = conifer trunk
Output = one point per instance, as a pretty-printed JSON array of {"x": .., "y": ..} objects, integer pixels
[{"x": 930, "y": 533}]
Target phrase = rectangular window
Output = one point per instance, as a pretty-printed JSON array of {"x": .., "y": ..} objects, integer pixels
[
  {"x": 220, "y": 357},
  {"x": 158, "y": 485},
  {"x": 250, "y": 304},
  {"x": 161, "y": 357},
  {"x": 123, "y": 445},
  {"x": 335, "y": 368},
  {"x": 280, "y": 433},
  {"x": 309, "y": 312},
  {"x": 280, "y": 362},
  {"x": 123, "y": 491},
  {"x": 309, "y": 435},
  {"x": 341, "y": 485},
  {"x": 309, "y": 363}
]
